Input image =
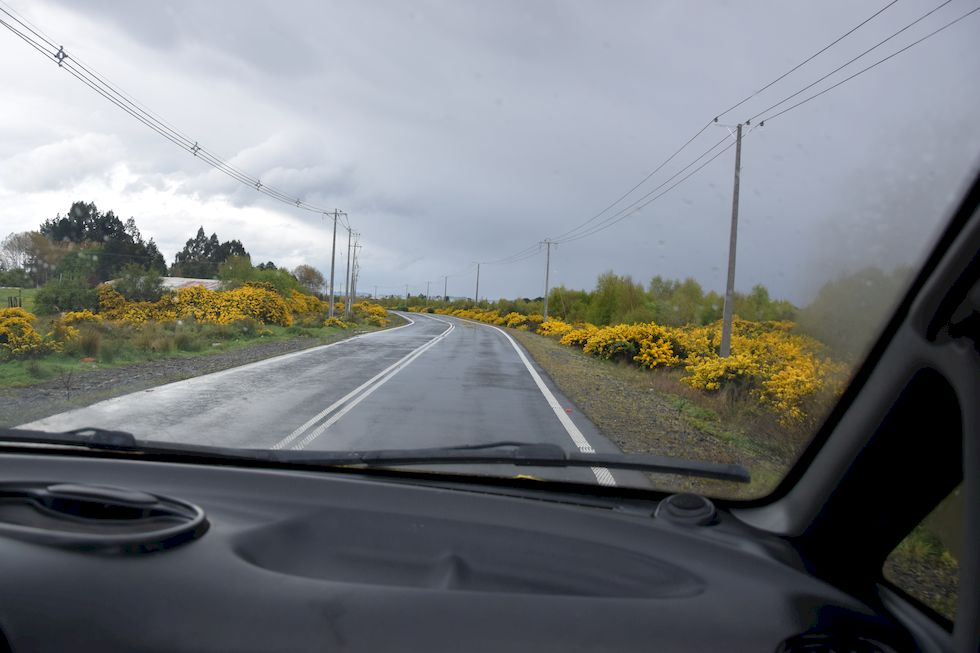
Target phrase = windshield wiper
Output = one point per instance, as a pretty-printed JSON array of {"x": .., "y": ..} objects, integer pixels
[
  {"x": 88, "y": 437},
  {"x": 522, "y": 454}
]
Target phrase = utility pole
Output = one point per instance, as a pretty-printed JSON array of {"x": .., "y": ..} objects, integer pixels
[
  {"x": 350, "y": 232},
  {"x": 427, "y": 284},
  {"x": 406, "y": 292},
  {"x": 476, "y": 295},
  {"x": 333, "y": 257},
  {"x": 445, "y": 288},
  {"x": 726, "y": 320},
  {"x": 352, "y": 295},
  {"x": 547, "y": 273},
  {"x": 353, "y": 280},
  {"x": 375, "y": 295}
]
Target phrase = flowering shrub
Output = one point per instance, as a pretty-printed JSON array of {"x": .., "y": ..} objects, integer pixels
[
  {"x": 615, "y": 341},
  {"x": 658, "y": 346},
  {"x": 18, "y": 338},
  {"x": 785, "y": 372},
  {"x": 72, "y": 318},
  {"x": 336, "y": 322},
  {"x": 303, "y": 304},
  {"x": 210, "y": 306},
  {"x": 553, "y": 327},
  {"x": 371, "y": 313},
  {"x": 578, "y": 336},
  {"x": 514, "y": 320},
  {"x": 110, "y": 299}
]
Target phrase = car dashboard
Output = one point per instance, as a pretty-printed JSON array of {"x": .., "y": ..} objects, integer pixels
[{"x": 110, "y": 554}]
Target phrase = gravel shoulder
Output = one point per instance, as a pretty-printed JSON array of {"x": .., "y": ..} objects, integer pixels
[
  {"x": 19, "y": 405},
  {"x": 623, "y": 404}
]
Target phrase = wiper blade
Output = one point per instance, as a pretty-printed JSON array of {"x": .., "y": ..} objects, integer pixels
[
  {"x": 521, "y": 454},
  {"x": 88, "y": 437}
]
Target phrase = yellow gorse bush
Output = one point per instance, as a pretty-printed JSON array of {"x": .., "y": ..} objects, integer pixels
[
  {"x": 783, "y": 371},
  {"x": 72, "y": 318},
  {"x": 19, "y": 338},
  {"x": 477, "y": 314},
  {"x": 554, "y": 328},
  {"x": 255, "y": 301},
  {"x": 371, "y": 313},
  {"x": 336, "y": 322},
  {"x": 579, "y": 335},
  {"x": 303, "y": 304},
  {"x": 201, "y": 304},
  {"x": 514, "y": 320}
]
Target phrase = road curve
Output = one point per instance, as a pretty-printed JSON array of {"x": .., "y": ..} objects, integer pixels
[{"x": 437, "y": 381}]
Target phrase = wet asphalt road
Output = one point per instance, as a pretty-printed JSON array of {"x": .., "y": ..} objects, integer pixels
[{"x": 438, "y": 381}]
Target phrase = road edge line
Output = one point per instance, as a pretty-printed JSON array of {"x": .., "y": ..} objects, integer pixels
[{"x": 602, "y": 475}]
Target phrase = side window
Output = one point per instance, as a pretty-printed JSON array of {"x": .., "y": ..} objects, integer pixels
[{"x": 925, "y": 565}]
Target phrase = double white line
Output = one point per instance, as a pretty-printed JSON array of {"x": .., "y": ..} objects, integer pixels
[{"x": 310, "y": 431}]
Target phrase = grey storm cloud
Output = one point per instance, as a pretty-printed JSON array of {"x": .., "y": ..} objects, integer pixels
[
  {"x": 455, "y": 132},
  {"x": 62, "y": 163}
]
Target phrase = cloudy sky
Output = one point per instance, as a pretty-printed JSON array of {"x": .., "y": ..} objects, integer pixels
[{"x": 466, "y": 131}]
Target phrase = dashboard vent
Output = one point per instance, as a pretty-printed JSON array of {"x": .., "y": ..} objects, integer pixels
[{"x": 96, "y": 518}]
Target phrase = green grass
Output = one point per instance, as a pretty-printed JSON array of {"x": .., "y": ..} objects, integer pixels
[
  {"x": 922, "y": 566},
  {"x": 26, "y": 295},
  {"x": 122, "y": 350},
  {"x": 704, "y": 419}
]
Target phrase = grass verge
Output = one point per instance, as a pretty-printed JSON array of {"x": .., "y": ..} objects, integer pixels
[
  {"x": 653, "y": 413},
  {"x": 26, "y": 296},
  {"x": 107, "y": 347}
]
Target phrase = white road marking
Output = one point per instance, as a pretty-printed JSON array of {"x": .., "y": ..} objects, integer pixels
[
  {"x": 356, "y": 396},
  {"x": 602, "y": 475}
]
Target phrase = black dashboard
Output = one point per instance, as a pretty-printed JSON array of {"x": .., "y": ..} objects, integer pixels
[{"x": 127, "y": 555}]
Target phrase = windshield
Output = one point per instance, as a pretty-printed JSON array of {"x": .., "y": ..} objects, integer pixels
[{"x": 477, "y": 238}]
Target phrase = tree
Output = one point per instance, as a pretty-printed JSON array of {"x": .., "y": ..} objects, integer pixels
[
  {"x": 309, "y": 276},
  {"x": 60, "y": 295},
  {"x": 44, "y": 257},
  {"x": 15, "y": 251},
  {"x": 118, "y": 243},
  {"x": 201, "y": 256},
  {"x": 238, "y": 270},
  {"x": 269, "y": 265},
  {"x": 849, "y": 312},
  {"x": 79, "y": 265},
  {"x": 758, "y": 306},
  {"x": 15, "y": 278},
  {"x": 138, "y": 284}
]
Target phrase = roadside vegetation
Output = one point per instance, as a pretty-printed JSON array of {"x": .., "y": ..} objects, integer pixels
[
  {"x": 761, "y": 404},
  {"x": 102, "y": 300}
]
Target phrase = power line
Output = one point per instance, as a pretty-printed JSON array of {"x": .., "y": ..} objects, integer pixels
[
  {"x": 106, "y": 89},
  {"x": 640, "y": 183},
  {"x": 638, "y": 206},
  {"x": 530, "y": 255},
  {"x": 807, "y": 60},
  {"x": 467, "y": 270},
  {"x": 722, "y": 113},
  {"x": 654, "y": 198},
  {"x": 629, "y": 210},
  {"x": 507, "y": 259},
  {"x": 866, "y": 69},
  {"x": 850, "y": 61}
]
